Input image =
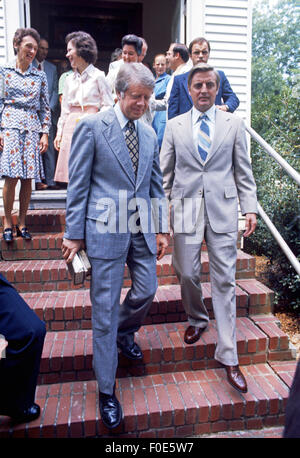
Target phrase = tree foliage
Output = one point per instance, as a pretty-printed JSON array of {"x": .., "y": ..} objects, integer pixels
[{"x": 275, "y": 116}]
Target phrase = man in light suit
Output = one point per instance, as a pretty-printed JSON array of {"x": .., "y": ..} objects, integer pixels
[
  {"x": 49, "y": 157},
  {"x": 206, "y": 170},
  {"x": 111, "y": 197},
  {"x": 180, "y": 100}
]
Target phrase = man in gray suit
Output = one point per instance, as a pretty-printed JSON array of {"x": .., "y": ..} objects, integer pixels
[
  {"x": 49, "y": 157},
  {"x": 206, "y": 170},
  {"x": 115, "y": 187}
]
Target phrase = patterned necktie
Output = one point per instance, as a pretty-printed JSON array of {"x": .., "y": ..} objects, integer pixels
[
  {"x": 39, "y": 67},
  {"x": 132, "y": 143},
  {"x": 204, "y": 141}
]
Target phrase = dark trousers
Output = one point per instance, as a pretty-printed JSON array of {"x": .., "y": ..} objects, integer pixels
[{"x": 25, "y": 334}]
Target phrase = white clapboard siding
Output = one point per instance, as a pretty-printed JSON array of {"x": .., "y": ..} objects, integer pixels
[
  {"x": 2, "y": 33},
  {"x": 227, "y": 26}
]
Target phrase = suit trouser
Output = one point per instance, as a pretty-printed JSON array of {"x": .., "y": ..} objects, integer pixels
[
  {"x": 25, "y": 334},
  {"x": 222, "y": 252},
  {"x": 112, "y": 322},
  {"x": 49, "y": 158}
]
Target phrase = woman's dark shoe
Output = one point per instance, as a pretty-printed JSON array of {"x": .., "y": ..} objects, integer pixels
[
  {"x": 23, "y": 233},
  {"x": 8, "y": 235}
]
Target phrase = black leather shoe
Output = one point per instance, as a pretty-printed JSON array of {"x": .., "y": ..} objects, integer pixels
[
  {"x": 26, "y": 415},
  {"x": 110, "y": 410},
  {"x": 131, "y": 352},
  {"x": 23, "y": 233},
  {"x": 8, "y": 235}
]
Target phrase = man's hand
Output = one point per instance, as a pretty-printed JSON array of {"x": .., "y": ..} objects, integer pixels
[
  {"x": 222, "y": 107},
  {"x": 161, "y": 244},
  {"x": 43, "y": 143},
  {"x": 250, "y": 224},
  {"x": 3, "y": 345},
  {"x": 70, "y": 247}
]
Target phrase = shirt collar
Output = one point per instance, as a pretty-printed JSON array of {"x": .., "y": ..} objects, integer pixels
[
  {"x": 211, "y": 114},
  {"x": 87, "y": 71},
  {"x": 13, "y": 64},
  {"x": 121, "y": 117}
]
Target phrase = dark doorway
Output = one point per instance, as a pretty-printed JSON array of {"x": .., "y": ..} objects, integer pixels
[{"x": 106, "y": 21}]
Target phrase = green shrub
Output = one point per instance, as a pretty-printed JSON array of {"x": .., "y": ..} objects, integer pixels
[{"x": 277, "y": 193}]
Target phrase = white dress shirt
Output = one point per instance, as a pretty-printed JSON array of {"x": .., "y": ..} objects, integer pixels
[{"x": 122, "y": 118}]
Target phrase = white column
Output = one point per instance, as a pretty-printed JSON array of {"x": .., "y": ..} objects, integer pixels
[
  {"x": 16, "y": 14},
  {"x": 195, "y": 14}
]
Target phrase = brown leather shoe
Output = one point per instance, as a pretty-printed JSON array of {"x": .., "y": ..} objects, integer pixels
[
  {"x": 192, "y": 334},
  {"x": 41, "y": 186},
  {"x": 236, "y": 378}
]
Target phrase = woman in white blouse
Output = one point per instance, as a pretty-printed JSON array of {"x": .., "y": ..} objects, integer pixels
[{"x": 85, "y": 91}]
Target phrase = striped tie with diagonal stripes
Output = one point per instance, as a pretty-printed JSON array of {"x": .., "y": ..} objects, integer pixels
[{"x": 204, "y": 140}]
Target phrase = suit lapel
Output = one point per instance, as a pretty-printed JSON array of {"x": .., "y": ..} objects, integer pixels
[
  {"x": 115, "y": 139},
  {"x": 185, "y": 85},
  {"x": 185, "y": 123},
  {"x": 222, "y": 128},
  {"x": 143, "y": 153}
]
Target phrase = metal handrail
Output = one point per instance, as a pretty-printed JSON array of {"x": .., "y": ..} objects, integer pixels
[
  {"x": 296, "y": 177},
  {"x": 282, "y": 162}
]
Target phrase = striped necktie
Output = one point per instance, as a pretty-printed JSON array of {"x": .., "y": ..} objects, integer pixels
[
  {"x": 132, "y": 143},
  {"x": 204, "y": 140}
]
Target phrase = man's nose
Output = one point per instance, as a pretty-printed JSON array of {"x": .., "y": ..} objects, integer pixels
[
  {"x": 142, "y": 101},
  {"x": 203, "y": 88}
]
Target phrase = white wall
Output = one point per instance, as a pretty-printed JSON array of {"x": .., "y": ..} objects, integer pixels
[
  {"x": 227, "y": 25},
  {"x": 13, "y": 14},
  {"x": 2, "y": 33}
]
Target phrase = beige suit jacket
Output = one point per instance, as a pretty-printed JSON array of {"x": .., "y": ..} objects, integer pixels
[{"x": 224, "y": 179}]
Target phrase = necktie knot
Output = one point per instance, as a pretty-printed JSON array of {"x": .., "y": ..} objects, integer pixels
[
  {"x": 203, "y": 117},
  {"x": 130, "y": 125}
]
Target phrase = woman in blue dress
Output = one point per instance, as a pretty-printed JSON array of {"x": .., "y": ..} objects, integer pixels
[
  {"x": 24, "y": 123},
  {"x": 161, "y": 82}
]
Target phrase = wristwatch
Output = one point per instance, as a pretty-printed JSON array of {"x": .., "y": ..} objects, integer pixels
[{"x": 227, "y": 107}]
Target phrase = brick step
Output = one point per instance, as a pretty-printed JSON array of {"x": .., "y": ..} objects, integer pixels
[
  {"x": 41, "y": 246},
  {"x": 50, "y": 220},
  {"x": 71, "y": 310},
  {"x": 180, "y": 404},
  {"x": 41, "y": 220},
  {"x": 67, "y": 355},
  {"x": 52, "y": 274}
]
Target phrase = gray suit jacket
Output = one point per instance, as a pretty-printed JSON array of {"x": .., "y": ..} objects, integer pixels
[
  {"x": 225, "y": 177},
  {"x": 101, "y": 205}
]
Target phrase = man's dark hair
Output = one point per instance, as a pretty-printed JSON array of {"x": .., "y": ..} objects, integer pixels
[
  {"x": 200, "y": 68},
  {"x": 133, "y": 40},
  {"x": 182, "y": 50},
  {"x": 199, "y": 40}
]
